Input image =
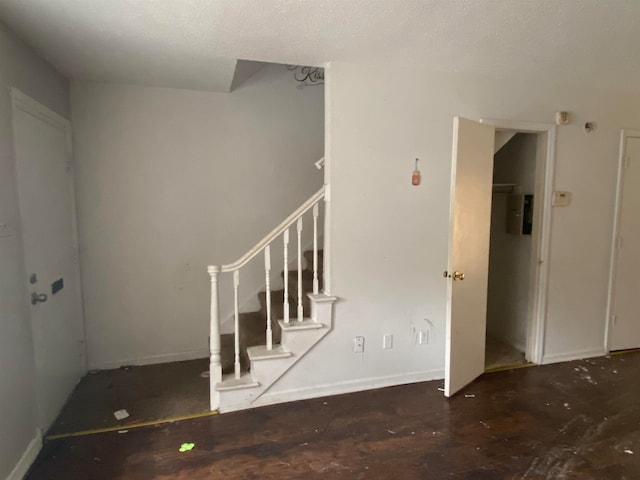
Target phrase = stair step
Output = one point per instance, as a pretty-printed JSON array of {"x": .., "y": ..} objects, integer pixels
[
  {"x": 229, "y": 382},
  {"x": 307, "y": 279},
  {"x": 307, "y": 287},
  {"x": 277, "y": 299},
  {"x": 305, "y": 324},
  {"x": 226, "y": 352},
  {"x": 308, "y": 256},
  {"x": 260, "y": 352}
]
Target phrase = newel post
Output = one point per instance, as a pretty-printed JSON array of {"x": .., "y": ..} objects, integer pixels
[{"x": 215, "y": 361}]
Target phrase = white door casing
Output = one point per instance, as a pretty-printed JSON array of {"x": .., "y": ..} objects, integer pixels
[
  {"x": 42, "y": 141},
  {"x": 624, "y": 303},
  {"x": 469, "y": 230}
]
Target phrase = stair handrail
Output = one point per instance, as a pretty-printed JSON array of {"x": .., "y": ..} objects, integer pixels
[
  {"x": 286, "y": 223},
  {"x": 215, "y": 361}
]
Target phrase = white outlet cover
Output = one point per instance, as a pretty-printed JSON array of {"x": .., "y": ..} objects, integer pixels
[
  {"x": 358, "y": 344},
  {"x": 387, "y": 341}
]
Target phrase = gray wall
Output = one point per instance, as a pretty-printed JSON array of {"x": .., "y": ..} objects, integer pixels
[
  {"x": 389, "y": 240},
  {"x": 20, "y": 67},
  {"x": 170, "y": 181}
]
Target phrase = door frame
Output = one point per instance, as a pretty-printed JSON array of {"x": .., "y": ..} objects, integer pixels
[
  {"x": 22, "y": 102},
  {"x": 540, "y": 245},
  {"x": 625, "y": 134}
]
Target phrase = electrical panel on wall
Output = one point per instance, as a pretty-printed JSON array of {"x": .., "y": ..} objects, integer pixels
[{"x": 520, "y": 214}]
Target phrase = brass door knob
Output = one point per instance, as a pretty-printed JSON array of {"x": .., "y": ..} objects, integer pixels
[{"x": 458, "y": 275}]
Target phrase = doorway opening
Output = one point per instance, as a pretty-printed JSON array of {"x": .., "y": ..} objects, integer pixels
[
  {"x": 469, "y": 243},
  {"x": 511, "y": 250}
]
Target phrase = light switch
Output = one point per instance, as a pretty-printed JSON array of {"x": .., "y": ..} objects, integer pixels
[{"x": 561, "y": 199}]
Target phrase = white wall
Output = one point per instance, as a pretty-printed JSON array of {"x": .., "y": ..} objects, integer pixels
[
  {"x": 20, "y": 67},
  {"x": 170, "y": 181},
  {"x": 510, "y": 255},
  {"x": 389, "y": 239}
]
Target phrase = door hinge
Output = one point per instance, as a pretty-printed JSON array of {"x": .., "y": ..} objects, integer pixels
[
  {"x": 619, "y": 242},
  {"x": 613, "y": 319}
]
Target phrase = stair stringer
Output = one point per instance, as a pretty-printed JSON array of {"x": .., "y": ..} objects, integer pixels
[{"x": 297, "y": 339}]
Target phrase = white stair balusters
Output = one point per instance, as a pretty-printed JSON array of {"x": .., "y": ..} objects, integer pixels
[
  {"x": 285, "y": 304},
  {"x": 300, "y": 309},
  {"x": 215, "y": 367},
  {"x": 267, "y": 269},
  {"x": 215, "y": 360},
  {"x": 315, "y": 249},
  {"x": 236, "y": 311}
]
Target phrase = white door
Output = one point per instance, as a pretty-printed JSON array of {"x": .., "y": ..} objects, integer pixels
[
  {"x": 625, "y": 329},
  {"x": 47, "y": 211},
  {"x": 467, "y": 273}
]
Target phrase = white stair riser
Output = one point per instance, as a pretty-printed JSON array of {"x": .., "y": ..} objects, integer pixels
[
  {"x": 272, "y": 368},
  {"x": 302, "y": 340},
  {"x": 268, "y": 371},
  {"x": 233, "y": 400}
]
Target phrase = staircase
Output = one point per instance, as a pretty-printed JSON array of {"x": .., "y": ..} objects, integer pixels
[
  {"x": 269, "y": 342},
  {"x": 253, "y": 324}
]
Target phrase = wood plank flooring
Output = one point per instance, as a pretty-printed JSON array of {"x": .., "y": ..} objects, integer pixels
[
  {"x": 576, "y": 420},
  {"x": 148, "y": 393}
]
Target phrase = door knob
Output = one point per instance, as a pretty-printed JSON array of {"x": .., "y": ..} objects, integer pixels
[
  {"x": 458, "y": 275},
  {"x": 38, "y": 298}
]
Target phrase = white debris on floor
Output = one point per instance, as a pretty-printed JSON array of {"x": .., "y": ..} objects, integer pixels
[{"x": 121, "y": 414}]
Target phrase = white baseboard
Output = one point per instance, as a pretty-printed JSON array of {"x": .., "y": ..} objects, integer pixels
[
  {"x": 348, "y": 387},
  {"x": 575, "y": 355},
  {"x": 151, "y": 360},
  {"x": 28, "y": 457}
]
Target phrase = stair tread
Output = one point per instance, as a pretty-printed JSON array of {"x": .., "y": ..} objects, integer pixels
[
  {"x": 309, "y": 254},
  {"x": 229, "y": 382},
  {"x": 260, "y": 352},
  {"x": 306, "y": 274},
  {"x": 305, "y": 324}
]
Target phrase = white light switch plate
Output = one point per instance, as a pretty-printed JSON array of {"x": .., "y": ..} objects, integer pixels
[{"x": 561, "y": 199}]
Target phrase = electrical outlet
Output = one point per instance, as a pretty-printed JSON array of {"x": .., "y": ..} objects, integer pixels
[
  {"x": 387, "y": 341},
  {"x": 358, "y": 345},
  {"x": 423, "y": 337}
]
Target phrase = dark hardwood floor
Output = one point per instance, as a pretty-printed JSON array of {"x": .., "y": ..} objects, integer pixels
[
  {"x": 576, "y": 420},
  {"x": 149, "y": 393}
]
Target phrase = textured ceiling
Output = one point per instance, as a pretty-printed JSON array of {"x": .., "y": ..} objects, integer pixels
[{"x": 194, "y": 43}]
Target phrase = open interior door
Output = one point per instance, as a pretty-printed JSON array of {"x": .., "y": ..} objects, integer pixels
[{"x": 469, "y": 230}]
